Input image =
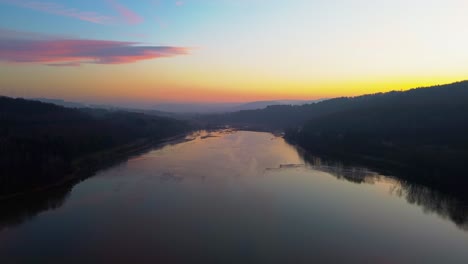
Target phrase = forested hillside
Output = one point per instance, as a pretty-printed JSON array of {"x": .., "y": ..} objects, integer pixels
[
  {"x": 289, "y": 116},
  {"x": 424, "y": 129},
  {"x": 40, "y": 142}
]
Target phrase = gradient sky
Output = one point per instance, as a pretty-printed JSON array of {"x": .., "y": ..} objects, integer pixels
[{"x": 228, "y": 50}]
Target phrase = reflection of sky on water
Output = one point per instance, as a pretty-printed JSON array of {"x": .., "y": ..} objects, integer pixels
[{"x": 243, "y": 197}]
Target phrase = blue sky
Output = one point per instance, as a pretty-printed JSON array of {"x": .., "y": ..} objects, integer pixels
[{"x": 232, "y": 49}]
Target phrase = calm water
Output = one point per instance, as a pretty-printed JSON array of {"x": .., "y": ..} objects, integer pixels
[{"x": 235, "y": 197}]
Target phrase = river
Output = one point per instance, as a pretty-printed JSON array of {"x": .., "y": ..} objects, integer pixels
[{"x": 235, "y": 197}]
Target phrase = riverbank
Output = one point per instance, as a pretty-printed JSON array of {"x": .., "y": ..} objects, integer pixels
[
  {"x": 192, "y": 191},
  {"x": 87, "y": 166},
  {"x": 412, "y": 168}
]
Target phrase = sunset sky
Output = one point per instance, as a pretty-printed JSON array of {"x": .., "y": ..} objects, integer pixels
[{"x": 228, "y": 50}]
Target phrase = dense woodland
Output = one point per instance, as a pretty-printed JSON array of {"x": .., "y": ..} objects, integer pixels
[
  {"x": 422, "y": 131},
  {"x": 288, "y": 116},
  {"x": 40, "y": 143}
]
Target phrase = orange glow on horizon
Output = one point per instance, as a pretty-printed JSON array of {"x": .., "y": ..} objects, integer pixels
[{"x": 166, "y": 81}]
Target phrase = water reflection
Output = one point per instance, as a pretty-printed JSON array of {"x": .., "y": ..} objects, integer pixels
[
  {"x": 435, "y": 202},
  {"x": 18, "y": 211},
  {"x": 431, "y": 200}
]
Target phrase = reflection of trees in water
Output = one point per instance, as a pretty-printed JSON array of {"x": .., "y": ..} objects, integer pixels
[
  {"x": 341, "y": 171},
  {"x": 17, "y": 211},
  {"x": 431, "y": 200},
  {"x": 434, "y": 202}
]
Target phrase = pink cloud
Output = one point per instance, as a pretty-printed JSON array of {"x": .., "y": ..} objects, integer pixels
[
  {"x": 58, "y": 9},
  {"x": 179, "y": 3},
  {"x": 73, "y": 52},
  {"x": 129, "y": 16}
]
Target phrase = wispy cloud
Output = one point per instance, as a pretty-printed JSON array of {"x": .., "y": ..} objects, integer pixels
[
  {"x": 128, "y": 15},
  {"x": 61, "y": 10},
  {"x": 64, "y": 64},
  {"x": 73, "y": 52}
]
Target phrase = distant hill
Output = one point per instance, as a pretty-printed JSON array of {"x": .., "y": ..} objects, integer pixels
[
  {"x": 116, "y": 107},
  {"x": 193, "y": 108},
  {"x": 264, "y": 104},
  {"x": 423, "y": 131},
  {"x": 177, "y": 109},
  {"x": 61, "y": 102},
  {"x": 42, "y": 142},
  {"x": 290, "y": 116},
  {"x": 210, "y": 108},
  {"x": 254, "y": 105}
]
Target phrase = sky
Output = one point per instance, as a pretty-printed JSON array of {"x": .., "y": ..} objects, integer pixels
[{"x": 228, "y": 50}]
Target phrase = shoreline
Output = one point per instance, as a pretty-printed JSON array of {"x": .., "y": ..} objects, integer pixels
[
  {"x": 87, "y": 166},
  {"x": 397, "y": 169}
]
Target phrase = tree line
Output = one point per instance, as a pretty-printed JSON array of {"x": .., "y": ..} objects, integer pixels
[
  {"x": 41, "y": 142},
  {"x": 422, "y": 131}
]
